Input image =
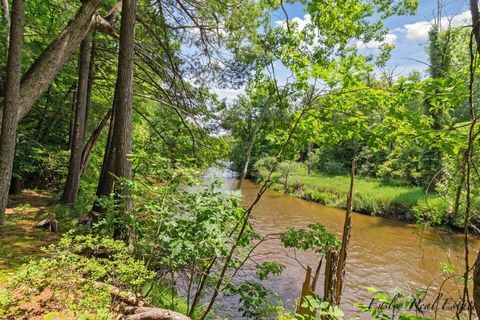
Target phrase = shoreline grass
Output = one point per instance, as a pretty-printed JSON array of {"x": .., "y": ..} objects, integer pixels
[{"x": 371, "y": 196}]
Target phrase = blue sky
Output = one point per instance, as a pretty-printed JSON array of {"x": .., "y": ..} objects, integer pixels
[{"x": 408, "y": 34}]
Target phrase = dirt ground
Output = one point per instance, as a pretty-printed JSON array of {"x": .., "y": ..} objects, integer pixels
[{"x": 20, "y": 241}]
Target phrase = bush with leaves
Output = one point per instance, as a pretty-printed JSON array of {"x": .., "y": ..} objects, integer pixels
[
  {"x": 280, "y": 172},
  {"x": 75, "y": 279}
]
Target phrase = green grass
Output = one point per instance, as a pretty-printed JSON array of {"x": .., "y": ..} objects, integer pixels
[{"x": 372, "y": 196}]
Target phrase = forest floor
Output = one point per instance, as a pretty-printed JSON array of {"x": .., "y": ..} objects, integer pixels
[
  {"x": 20, "y": 241},
  {"x": 372, "y": 196}
]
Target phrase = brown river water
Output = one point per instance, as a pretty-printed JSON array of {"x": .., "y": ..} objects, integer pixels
[{"x": 383, "y": 253}]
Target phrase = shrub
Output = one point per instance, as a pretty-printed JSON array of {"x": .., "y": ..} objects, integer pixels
[
  {"x": 333, "y": 167},
  {"x": 76, "y": 278},
  {"x": 432, "y": 211}
]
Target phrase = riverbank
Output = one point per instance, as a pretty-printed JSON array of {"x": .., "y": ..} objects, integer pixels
[
  {"x": 371, "y": 196},
  {"x": 21, "y": 242}
]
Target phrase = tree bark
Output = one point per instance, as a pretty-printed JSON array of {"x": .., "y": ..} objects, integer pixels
[
  {"x": 122, "y": 138},
  {"x": 347, "y": 228},
  {"x": 91, "y": 79},
  {"x": 72, "y": 183},
  {"x": 11, "y": 106},
  {"x": 105, "y": 181},
  {"x": 87, "y": 150}
]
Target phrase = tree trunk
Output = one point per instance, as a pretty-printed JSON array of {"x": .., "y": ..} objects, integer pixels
[
  {"x": 329, "y": 282},
  {"x": 78, "y": 134},
  {"x": 347, "y": 227},
  {"x": 5, "y": 12},
  {"x": 91, "y": 78},
  {"x": 11, "y": 106},
  {"x": 16, "y": 186},
  {"x": 122, "y": 138},
  {"x": 41, "y": 123},
  {"x": 248, "y": 154},
  {"x": 87, "y": 150},
  {"x": 105, "y": 181}
]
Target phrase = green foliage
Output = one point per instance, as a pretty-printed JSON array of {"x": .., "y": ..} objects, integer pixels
[
  {"x": 77, "y": 277},
  {"x": 372, "y": 196},
  {"x": 264, "y": 166},
  {"x": 277, "y": 172},
  {"x": 39, "y": 166},
  {"x": 265, "y": 269},
  {"x": 314, "y": 238},
  {"x": 256, "y": 301},
  {"x": 323, "y": 309},
  {"x": 433, "y": 211}
]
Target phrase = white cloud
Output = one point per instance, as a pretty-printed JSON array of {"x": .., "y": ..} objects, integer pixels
[
  {"x": 228, "y": 94},
  {"x": 389, "y": 39},
  {"x": 300, "y": 23},
  {"x": 419, "y": 30},
  {"x": 416, "y": 31}
]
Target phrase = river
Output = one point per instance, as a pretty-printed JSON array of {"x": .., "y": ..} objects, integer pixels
[{"x": 383, "y": 253}]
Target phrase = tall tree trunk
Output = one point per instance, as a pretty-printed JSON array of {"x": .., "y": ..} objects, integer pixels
[
  {"x": 78, "y": 134},
  {"x": 11, "y": 106},
  {"x": 122, "y": 138},
  {"x": 248, "y": 154}
]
